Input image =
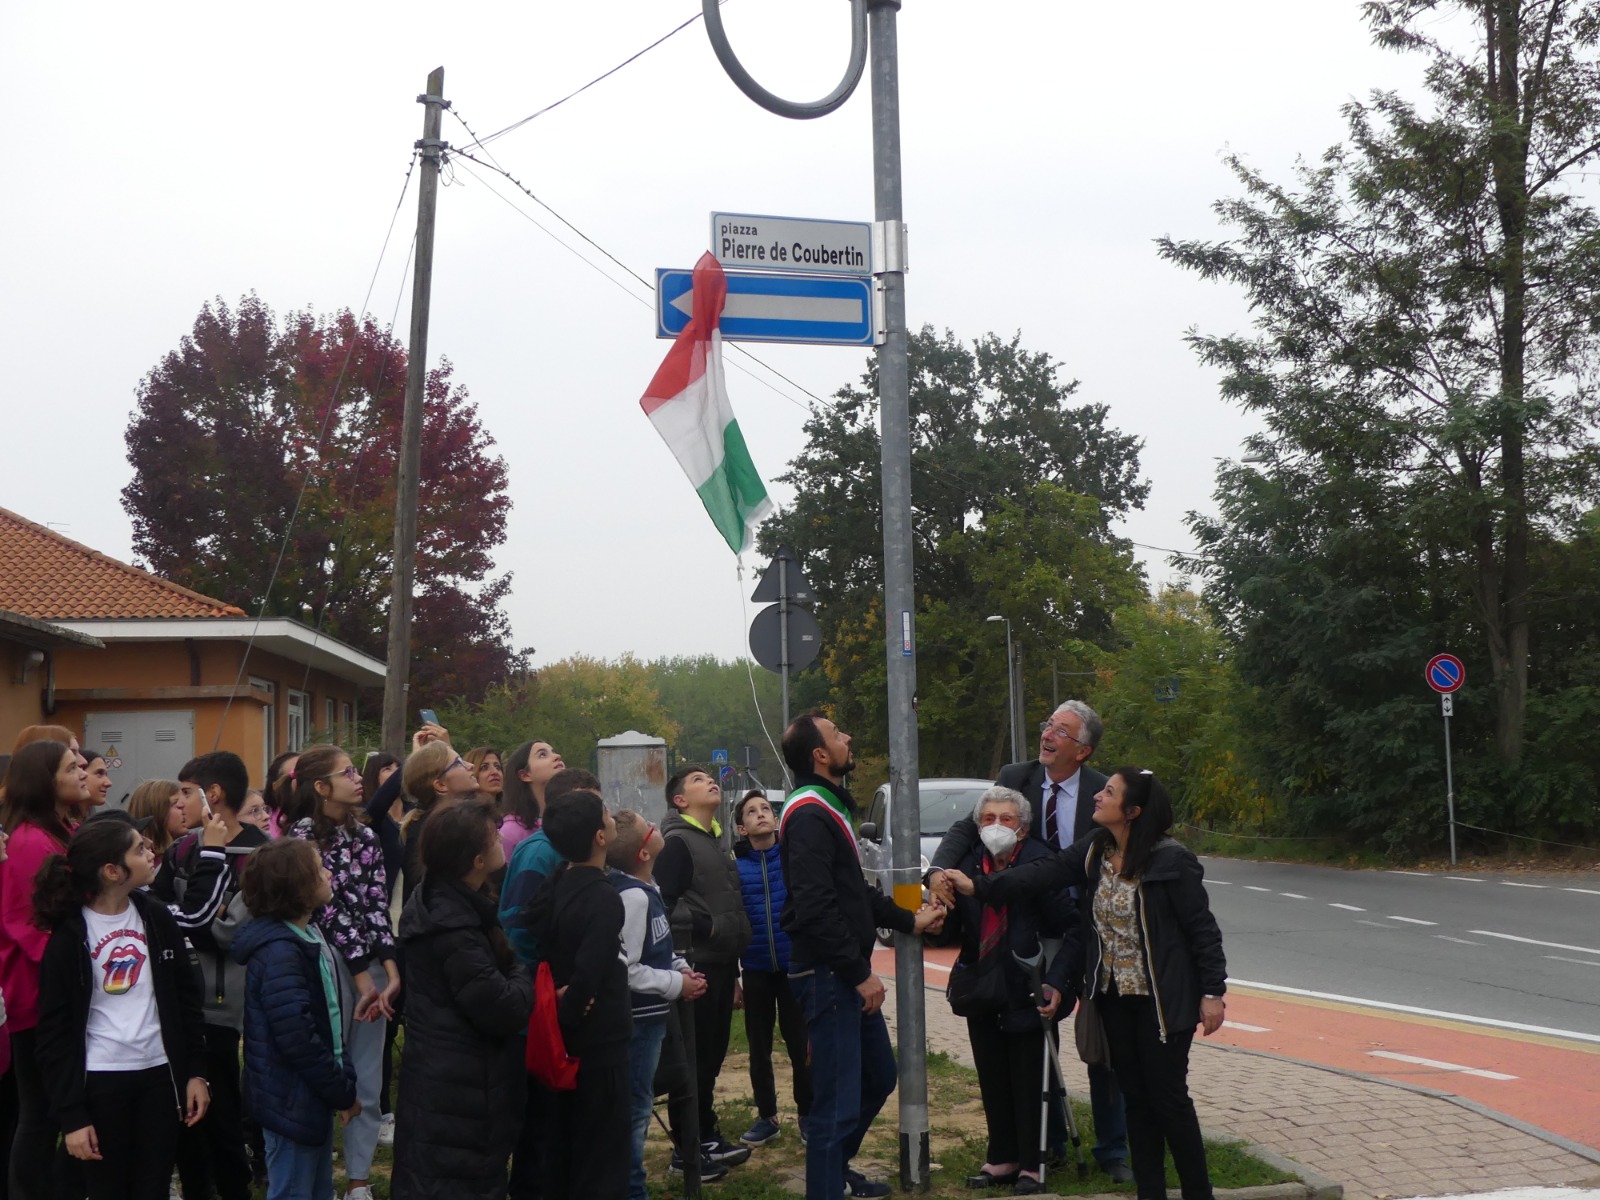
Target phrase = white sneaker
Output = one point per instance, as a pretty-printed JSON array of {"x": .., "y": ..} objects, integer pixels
[
  {"x": 360, "y": 1193},
  {"x": 386, "y": 1129}
]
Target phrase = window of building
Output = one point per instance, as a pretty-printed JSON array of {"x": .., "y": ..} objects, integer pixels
[
  {"x": 298, "y": 710},
  {"x": 335, "y": 734},
  {"x": 269, "y": 721},
  {"x": 346, "y": 721}
]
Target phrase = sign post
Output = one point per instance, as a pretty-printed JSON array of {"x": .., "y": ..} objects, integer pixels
[{"x": 1445, "y": 673}]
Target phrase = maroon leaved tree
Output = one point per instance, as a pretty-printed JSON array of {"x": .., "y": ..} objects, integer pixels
[{"x": 231, "y": 425}]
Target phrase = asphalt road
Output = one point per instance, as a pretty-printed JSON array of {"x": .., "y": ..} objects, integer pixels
[{"x": 1520, "y": 949}]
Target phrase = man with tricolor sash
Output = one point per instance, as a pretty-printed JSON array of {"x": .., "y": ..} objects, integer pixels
[{"x": 832, "y": 916}]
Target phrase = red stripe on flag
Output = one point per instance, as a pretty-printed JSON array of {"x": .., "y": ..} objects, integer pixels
[{"x": 686, "y": 360}]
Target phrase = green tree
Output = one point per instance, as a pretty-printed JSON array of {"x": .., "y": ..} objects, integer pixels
[
  {"x": 1427, "y": 333},
  {"x": 1172, "y": 701},
  {"x": 571, "y": 704},
  {"x": 1014, "y": 488},
  {"x": 710, "y": 701}
]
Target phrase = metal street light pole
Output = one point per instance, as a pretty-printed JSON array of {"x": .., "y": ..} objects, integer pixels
[
  {"x": 1011, "y": 691},
  {"x": 874, "y": 35}
]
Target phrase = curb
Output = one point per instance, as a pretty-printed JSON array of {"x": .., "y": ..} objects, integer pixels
[
  {"x": 1313, "y": 1184},
  {"x": 1483, "y": 1110}
]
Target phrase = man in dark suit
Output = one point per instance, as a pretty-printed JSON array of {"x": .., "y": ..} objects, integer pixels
[{"x": 1060, "y": 788}]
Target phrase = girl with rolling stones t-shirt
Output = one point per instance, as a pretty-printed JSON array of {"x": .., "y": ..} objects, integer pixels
[{"x": 119, "y": 1013}]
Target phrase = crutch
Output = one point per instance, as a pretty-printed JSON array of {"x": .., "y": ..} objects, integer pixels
[{"x": 1051, "y": 1083}]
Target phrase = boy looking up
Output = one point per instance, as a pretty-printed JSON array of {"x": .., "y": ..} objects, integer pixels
[
  {"x": 768, "y": 999},
  {"x": 656, "y": 976},
  {"x": 577, "y": 918},
  {"x": 199, "y": 881},
  {"x": 700, "y": 886}
]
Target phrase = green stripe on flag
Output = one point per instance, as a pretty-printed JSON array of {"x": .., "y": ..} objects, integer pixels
[{"x": 734, "y": 491}]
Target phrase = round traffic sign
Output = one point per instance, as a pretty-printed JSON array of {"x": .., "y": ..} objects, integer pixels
[{"x": 1445, "y": 673}]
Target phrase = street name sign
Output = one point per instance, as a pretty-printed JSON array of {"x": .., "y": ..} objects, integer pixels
[
  {"x": 756, "y": 243},
  {"x": 1445, "y": 673},
  {"x": 821, "y": 310}
]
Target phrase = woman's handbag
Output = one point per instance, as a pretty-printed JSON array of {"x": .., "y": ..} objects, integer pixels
[
  {"x": 547, "y": 1059},
  {"x": 1091, "y": 1033},
  {"x": 977, "y": 988}
]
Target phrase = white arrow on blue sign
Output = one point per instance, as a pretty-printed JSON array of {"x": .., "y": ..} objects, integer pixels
[{"x": 816, "y": 309}]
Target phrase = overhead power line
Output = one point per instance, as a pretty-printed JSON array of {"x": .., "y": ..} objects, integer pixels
[
  {"x": 490, "y": 163},
  {"x": 632, "y": 58}
]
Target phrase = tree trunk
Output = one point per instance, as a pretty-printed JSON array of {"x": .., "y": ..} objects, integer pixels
[{"x": 1508, "y": 151}]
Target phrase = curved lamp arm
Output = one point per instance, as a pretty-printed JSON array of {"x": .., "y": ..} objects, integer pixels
[{"x": 712, "y": 11}]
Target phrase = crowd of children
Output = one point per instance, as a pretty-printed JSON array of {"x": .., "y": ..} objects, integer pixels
[{"x": 208, "y": 979}]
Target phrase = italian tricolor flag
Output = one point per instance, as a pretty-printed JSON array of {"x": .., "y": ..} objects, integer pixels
[{"x": 688, "y": 404}]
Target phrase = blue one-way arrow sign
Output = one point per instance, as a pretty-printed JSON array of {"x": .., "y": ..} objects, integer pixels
[{"x": 824, "y": 310}]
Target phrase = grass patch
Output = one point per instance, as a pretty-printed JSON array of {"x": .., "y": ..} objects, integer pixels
[
  {"x": 958, "y": 1143},
  {"x": 1312, "y": 851}
]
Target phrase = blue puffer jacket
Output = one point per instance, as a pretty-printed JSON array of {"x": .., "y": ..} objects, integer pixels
[
  {"x": 292, "y": 1083},
  {"x": 761, "y": 882}
]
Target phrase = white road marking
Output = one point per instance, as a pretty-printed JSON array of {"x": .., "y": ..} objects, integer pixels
[
  {"x": 1375, "y": 924},
  {"x": 1294, "y": 896},
  {"x": 1445, "y": 937},
  {"x": 1347, "y": 907},
  {"x": 1250, "y": 887},
  {"x": 1465, "y": 879},
  {"x": 1223, "y": 882},
  {"x": 1587, "y": 962},
  {"x": 1243, "y": 1028},
  {"x": 1511, "y": 937},
  {"x": 1413, "y": 920},
  {"x": 1440, "y": 1066},
  {"x": 1422, "y": 874},
  {"x": 1386, "y": 1006},
  {"x": 1582, "y": 891},
  {"x": 1537, "y": 886},
  {"x": 933, "y": 966}
]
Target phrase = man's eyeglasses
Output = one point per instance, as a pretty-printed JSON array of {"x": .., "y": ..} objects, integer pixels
[{"x": 1048, "y": 727}]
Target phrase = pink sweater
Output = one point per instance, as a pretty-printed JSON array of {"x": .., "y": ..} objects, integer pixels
[{"x": 22, "y": 942}]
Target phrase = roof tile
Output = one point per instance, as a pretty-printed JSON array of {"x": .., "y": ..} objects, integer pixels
[{"x": 53, "y": 578}]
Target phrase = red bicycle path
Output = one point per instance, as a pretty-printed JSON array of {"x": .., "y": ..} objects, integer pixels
[{"x": 1554, "y": 1082}]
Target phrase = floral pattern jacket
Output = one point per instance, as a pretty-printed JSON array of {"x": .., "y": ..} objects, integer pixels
[{"x": 356, "y": 920}]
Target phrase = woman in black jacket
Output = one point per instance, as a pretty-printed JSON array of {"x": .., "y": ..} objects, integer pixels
[
  {"x": 119, "y": 1022},
  {"x": 994, "y": 992},
  {"x": 1152, "y": 964},
  {"x": 462, "y": 1079}
]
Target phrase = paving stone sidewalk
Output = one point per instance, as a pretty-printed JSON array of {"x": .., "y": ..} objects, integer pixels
[{"x": 1380, "y": 1140}]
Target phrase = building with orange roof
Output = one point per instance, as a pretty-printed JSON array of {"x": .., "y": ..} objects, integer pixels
[{"x": 150, "y": 673}]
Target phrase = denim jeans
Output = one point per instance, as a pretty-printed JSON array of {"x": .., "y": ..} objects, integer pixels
[
  {"x": 643, "y": 1054},
  {"x": 296, "y": 1171},
  {"x": 363, "y": 1046},
  {"x": 852, "y": 1073}
]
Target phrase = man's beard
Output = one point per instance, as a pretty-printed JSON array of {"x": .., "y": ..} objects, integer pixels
[{"x": 843, "y": 769}]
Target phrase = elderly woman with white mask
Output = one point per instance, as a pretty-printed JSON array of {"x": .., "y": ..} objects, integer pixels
[{"x": 992, "y": 989}]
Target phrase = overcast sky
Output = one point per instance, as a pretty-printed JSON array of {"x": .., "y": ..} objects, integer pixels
[{"x": 163, "y": 155}]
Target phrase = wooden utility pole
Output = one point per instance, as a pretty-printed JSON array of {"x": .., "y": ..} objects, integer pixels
[{"x": 397, "y": 685}]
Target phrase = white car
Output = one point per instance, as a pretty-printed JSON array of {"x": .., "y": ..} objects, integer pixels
[{"x": 943, "y": 803}]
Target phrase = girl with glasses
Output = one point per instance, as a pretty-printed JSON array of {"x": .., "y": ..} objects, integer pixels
[{"x": 356, "y": 923}]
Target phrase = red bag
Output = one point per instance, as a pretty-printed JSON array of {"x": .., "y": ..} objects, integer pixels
[{"x": 547, "y": 1057}]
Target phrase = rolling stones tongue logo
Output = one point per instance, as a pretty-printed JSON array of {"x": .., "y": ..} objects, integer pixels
[{"x": 123, "y": 964}]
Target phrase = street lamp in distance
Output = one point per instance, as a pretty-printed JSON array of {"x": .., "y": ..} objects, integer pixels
[{"x": 1011, "y": 690}]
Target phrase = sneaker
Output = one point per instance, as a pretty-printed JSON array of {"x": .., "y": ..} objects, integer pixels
[
  {"x": 857, "y": 1184},
  {"x": 762, "y": 1132},
  {"x": 386, "y": 1129},
  {"x": 358, "y": 1193},
  {"x": 710, "y": 1171},
  {"x": 724, "y": 1152},
  {"x": 801, "y": 1122}
]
